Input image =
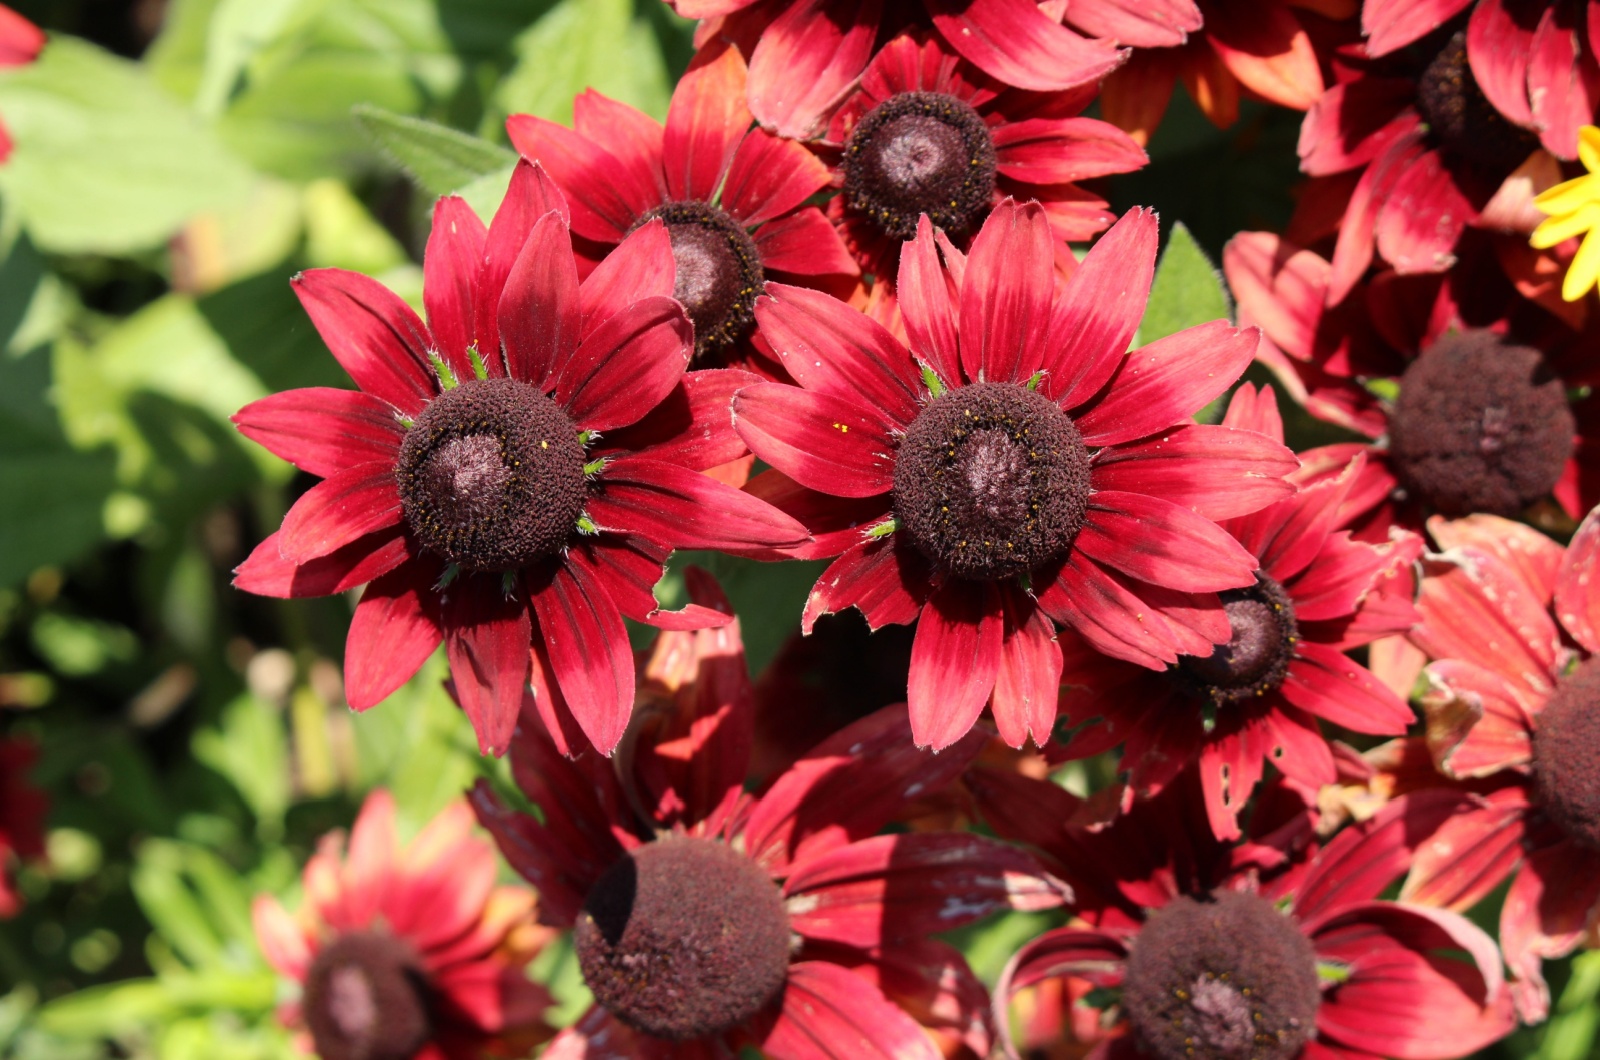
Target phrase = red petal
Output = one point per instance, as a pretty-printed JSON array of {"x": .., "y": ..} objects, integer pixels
[
  {"x": 1339, "y": 579},
  {"x": 1140, "y": 23},
  {"x": 825, "y": 1006},
  {"x": 826, "y": 443},
  {"x": 1353, "y": 123},
  {"x": 1392, "y": 24},
  {"x": 1107, "y": 615},
  {"x": 806, "y": 61},
  {"x": 487, "y": 634},
  {"x": 582, "y": 630},
  {"x": 1477, "y": 723},
  {"x": 837, "y": 524},
  {"x": 1422, "y": 217},
  {"x": 769, "y": 177},
  {"x": 1029, "y": 681},
  {"x": 804, "y": 244},
  {"x": 266, "y": 573},
  {"x": 847, "y": 788},
  {"x": 928, "y": 306},
  {"x": 1290, "y": 534},
  {"x": 603, "y": 202},
  {"x": 888, "y": 585},
  {"x": 1167, "y": 381},
  {"x": 630, "y": 136},
  {"x": 1577, "y": 597},
  {"x": 1062, "y": 150},
  {"x": 339, "y": 510},
  {"x": 626, "y": 366},
  {"x": 1268, "y": 50},
  {"x": 1231, "y": 764},
  {"x": 538, "y": 311},
  {"x": 881, "y": 890},
  {"x": 395, "y": 628},
  {"x": 692, "y": 427},
  {"x": 1015, "y": 42},
  {"x": 1097, "y": 311},
  {"x": 1563, "y": 81},
  {"x": 640, "y": 267},
  {"x": 1094, "y": 956},
  {"x": 1352, "y": 253},
  {"x": 20, "y": 40},
  {"x": 1498, "y": 49},
  {"x": 372, "y": 334},
  {"x": 1005, "y": 297},
  {"x": 1332, "y": 686},
  {"x": 323, "y": 430},
  {"x": 450, "y": 268},
  {"x": 1162, "y": 543},
  {"x": 1547, "y": 913},
  {"x": 1218, "y": 472},
  {"x": 705, "y": 123},
  {"x": 1482, "y": 611},
  {"x": 530, "y": 195},
  {"x": 629, "y": 569},
  {"x": 1280, "y": 288},
  {"x": 955, "y": 659},
  {"x": 1470, "y": 854},
  {"x": 685, "y": 509}
]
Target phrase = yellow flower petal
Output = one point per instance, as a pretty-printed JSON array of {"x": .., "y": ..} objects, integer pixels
[
  {"x": 1589, "y": 148},
  {"x": 1554, "y": 230},
  {"x": 1569, "y": 195},
  {"x": 1585, "y": 269}
]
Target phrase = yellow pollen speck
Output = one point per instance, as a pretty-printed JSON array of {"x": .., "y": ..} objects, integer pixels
[
  {"x": 842, "y": 428},
  {"x": 1574, "y": 209}
]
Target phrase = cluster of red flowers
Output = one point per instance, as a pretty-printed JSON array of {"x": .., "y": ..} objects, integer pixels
[{"x": 848, "y": 254}]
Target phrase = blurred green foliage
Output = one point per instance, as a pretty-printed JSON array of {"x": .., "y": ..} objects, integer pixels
[{"x": 175, "y": 164}]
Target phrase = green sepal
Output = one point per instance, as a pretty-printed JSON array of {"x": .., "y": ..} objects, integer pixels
[
  {"x": 931, "y": 380},
  {"x": 883, "y": 529},
  {"x": 479, "y": 369},
  {"x": 586, "y": 526},
  {"x": 447, "y": 378}
]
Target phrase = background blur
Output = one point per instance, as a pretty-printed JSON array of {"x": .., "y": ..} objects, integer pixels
[{"x": 175, "y": 163}]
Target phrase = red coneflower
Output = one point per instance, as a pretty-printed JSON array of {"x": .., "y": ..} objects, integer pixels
[
  {"x": 1430, "y": 145},
  {"x": 926, "y": 132},
  {"x": 1462, "y": 386},
  {"x": 1258, "y": 697},
  {"x": 403, "y": 953},
  {"x": 513, "y": 473},
  {"x": 20, "y": 43},
  {"x": 1534, "y": 62},
  {"x": 22, "y": 812},
  {"x": 805, "y": 55},
  {"x": 733, "y": 198},
  {"x": 1513, "y": 626},
  {"x": 1013, "y": 468},
  {"x": 706, "y": 920},
  {"x": 1272, "y": 949}
]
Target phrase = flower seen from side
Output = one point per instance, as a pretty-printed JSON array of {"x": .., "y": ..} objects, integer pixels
[
  {"x": 403, "y": 952},
  {"x": 926, "y": 132},
  {"x": 511, "y": 476},
  {"x": 733, "y": 198},
  {"x": 706, "y": 919},
  {"x": 20, "y": 43},
  {"x": 1258, "y": 698},
  {"x": 1573, "y": 207},
  {"x": 22, "y": 814},
  {"x": 1015, "y": 467}
]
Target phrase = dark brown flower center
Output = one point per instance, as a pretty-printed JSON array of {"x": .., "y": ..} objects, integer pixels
[
  {"x": 719, "y": 272},
  {"x": 684, "y": 938},
  {"x": 1256, "y": 658},
  {"x": 1481, "y": 425},
  {"x": 1227, "y": 977},
  {"x": 920, "y": 153},
  {"x": 1566, "y": 754},
  {"x": 991, "y": 481},
  {"x": 367, "y": 998},
  {"x": 1461, "y": 117},
  {"x": 491, "y": 475}
]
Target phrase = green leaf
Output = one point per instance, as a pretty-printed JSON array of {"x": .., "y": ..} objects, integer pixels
[
  {"x": 582, "y": 44},
  {"x": 440, "y": 159},
  {"x": 105, "y": 161},
  {"x": 251, "y": 749},
  {"x": 1188, "y": 290},
  {"x": 1570, "y": 1034}
]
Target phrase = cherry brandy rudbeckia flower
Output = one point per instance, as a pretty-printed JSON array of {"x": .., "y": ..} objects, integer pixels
[
  {"x": 514, "y": 472},
  {"x": 1534, "y": 63},
  {"x": 706, "y": 920},
  {"x": 1257, "y": 698},
  {"x": 1514, "y": 708},
  {"x": 1016, "y": 467},
  {"x": 1462, "y": 418},
  {"x": 20, "y": 43},
  {"x": 22, "y": 812},
  {"x": 407, "y": 953},
  {"x": 732, "y": 197},
  {"x": 1204, "y": 952},
  {"x": 807, "y": 54},
  {"x": 1429, "y": 147},
  {"x": 926, "y": 132}
]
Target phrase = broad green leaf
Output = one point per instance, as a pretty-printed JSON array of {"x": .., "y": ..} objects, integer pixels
[
  {"x": 1188, "y": 290},
  {"x": 250, "y": 749},
  {"x": 172, "y": 907},
  {"x": 105, "y": 161},
  {"x": 440, "y": 159},
  {"x": 582, "y": 44}
]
